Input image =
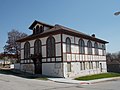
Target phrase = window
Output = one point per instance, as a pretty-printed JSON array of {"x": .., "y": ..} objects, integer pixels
[
  {"x": 103, "y": 49},
  {"x": 97, "y": 64},
  {"x": 37, "y": 29},
  {"x": 69, "y": 66},
  {"x": 81, "y": 66},
  {"x": 37, "y": 47},
  {"x": 27, "y": 50},
  {"x": 50, "y": 47},
  {"x": 89, "y": 45},
  {"x": 90, "y": 65},
  {"x": 34, "y": 31},
  {"x": 81, "y": 46},
  {"x": 68, "y": 45},
  {"x": 41, "y": 29},
  {"x": 96, "y": 48}
]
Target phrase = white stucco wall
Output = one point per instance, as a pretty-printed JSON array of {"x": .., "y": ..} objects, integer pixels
[
  {"x": 60, "y": 69},
  {"x": 76, "y": 69},
  {"x": 58, "y": 49},
  {"x": 52, "y": 69},
  {"x": 75, "y": 58},
  {"x": 27, "y": 68}
]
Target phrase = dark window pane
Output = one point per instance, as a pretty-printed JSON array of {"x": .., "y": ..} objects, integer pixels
[
  {"x": 27, "y": 50},
  {"x": 37, "y": 47},
  {"x": 96, "y": 48},
  {"x": 89, "y": 45},
  {"x": 50, "y": 47},
  {"x": 68, "y": 45},
  {"x": 81, "y": 46}
]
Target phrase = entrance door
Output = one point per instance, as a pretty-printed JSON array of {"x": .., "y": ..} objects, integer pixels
[{"x": 38, "y": 65}]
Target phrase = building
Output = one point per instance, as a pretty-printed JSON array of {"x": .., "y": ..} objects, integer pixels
[{"x": 61, "y": 52}]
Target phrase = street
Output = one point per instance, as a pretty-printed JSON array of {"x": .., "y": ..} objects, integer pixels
[{"x": 11, "y": 82}]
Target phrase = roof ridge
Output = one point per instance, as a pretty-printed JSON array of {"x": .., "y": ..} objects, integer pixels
[{"x": 64, "y": 27}]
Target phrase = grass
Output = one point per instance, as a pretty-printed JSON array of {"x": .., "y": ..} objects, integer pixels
[{"x": 98, "y": 76}]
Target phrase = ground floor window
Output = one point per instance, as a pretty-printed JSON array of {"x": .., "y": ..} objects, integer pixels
[
  {"x": 97, "y": 64},
  {"x": 82, "y": 65},
  {"x": 90, "y": 65},
  {"x": 69, "y": 66}
]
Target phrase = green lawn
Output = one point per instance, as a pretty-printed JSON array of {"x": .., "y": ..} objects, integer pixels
[{"x": 98, "y": 76}]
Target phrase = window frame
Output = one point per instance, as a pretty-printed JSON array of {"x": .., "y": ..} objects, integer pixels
[
  {"x": 103, "y": 49},
  {"x": 89, "y": 46},
  {"x": 26, "y": 50},
  {"x": 37, "y": 30},
  {"x": 96, "y": 48},
  {"x": 37, "y": 46},
  {"x": 50, "y": 47},
  {"x": 69, "y": 67},
  {"x": 81, "y": 44},
  {"x": 68, "y": 45}
]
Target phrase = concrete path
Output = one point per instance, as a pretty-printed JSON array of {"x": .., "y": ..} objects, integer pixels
[{"x": 71, "y": 81}]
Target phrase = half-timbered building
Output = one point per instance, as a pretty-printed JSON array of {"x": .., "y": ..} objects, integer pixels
[{"x": 61, "y": 52}]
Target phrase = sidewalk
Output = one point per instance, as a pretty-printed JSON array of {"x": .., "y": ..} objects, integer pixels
[{"x": 71, "y": 81}]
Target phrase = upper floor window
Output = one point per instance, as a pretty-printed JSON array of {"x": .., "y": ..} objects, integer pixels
[
  {"x": 103, "y": 49},
  {"x": 26, "y": 50},
  {"x": 37, "y": 47},
  {"x": 96, "y": 48},
  {"x": 68, "y": 45},
  {"x": 41, "y": 29},
  {"x": 50, "y": 47},
  {"x": 38, "y": 29},
  {"x": 81, "y": 46},
  {"x": 89, "y": 46}
]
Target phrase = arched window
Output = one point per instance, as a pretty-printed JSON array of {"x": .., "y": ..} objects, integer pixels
[
  {"x": 26, "y": 50},
  {"x": 41, "y": 29},
  {"x": 50, "y": 47},
  {"x": 37, "y": 47},
  {"x": 37, "y": 29},
  {"x": 68, "y": 45},
  {"x": 103, "y": 49},
  {"x": 96, "y": 48},
  {"x": 34, "y": 31},
  {"x": 81, "y": 46},
  {"x": 89, "y": 45}
]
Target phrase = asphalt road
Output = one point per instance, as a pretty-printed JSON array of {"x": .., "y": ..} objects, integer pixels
[{"x": 10, "y": 82}]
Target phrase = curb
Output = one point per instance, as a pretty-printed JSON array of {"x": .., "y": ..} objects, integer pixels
[{"x": 68, "y": 81}]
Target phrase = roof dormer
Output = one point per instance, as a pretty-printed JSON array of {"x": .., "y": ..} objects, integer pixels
[{"x": 39, "y": 27}]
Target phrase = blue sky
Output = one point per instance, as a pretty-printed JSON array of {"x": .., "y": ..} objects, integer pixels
[{"x": 88, "y": 16}]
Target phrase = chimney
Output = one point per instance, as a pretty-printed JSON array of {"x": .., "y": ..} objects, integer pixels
[{"x": 93, "y": 35}]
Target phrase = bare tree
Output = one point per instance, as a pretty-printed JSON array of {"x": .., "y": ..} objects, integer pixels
[
  {"x": 12, "y": 46},
  {"x": 119, "y": 55},
  {"x": 113, "y": 56}
]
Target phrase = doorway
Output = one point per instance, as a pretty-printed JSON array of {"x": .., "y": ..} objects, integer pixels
[
  {"x": 38, "y": 66},
  {"x": 37, "y": 59}
]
